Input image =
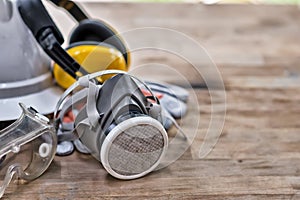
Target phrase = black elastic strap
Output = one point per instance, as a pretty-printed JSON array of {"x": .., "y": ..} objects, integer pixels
[
  {"x": 47, "y": 35},
  {"x": 72, "y": 8}
]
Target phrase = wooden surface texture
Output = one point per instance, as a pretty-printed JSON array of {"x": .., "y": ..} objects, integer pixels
[{"x": 257, "y": 51}]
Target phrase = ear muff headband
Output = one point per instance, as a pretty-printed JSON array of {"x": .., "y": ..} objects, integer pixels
[{"x": 92, "y": 30}]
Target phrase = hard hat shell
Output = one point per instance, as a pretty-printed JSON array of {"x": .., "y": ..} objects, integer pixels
[{"x": 25, "y": 69}]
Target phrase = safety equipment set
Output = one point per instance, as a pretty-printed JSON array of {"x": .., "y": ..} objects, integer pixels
[{"x": 119, "y": 118}]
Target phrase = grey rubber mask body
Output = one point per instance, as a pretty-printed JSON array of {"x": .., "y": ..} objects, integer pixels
[
  {"x": 118, "y": 95},
  {"x": 119, "y": 124}
]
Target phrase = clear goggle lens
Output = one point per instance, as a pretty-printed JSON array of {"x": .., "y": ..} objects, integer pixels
[{"x": 27, "y": 148}]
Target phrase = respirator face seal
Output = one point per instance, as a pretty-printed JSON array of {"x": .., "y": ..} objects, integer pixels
[
  {"x": 27, "y": 148},
  {"x": 119, "y": 124}
]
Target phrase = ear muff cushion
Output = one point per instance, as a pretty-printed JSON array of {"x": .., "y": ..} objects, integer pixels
[
  {"x": 97, "y": 31},
  {"x": 93, "y": 56}
]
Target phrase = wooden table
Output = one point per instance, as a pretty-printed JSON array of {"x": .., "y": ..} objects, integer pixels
[{"x": 257, "y": 50}]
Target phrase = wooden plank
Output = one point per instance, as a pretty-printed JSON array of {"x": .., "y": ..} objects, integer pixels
[
  {"x": 265, "y": 82},
  {"x": 169, "y": 187},
  {"x": 246, "y": 163},
  {"x": 259, "y": 123},
  {"x": 257, "y": 154}
]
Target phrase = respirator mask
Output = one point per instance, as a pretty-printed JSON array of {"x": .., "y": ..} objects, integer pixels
[
  {"x": 118, "y": 121},
  {"x": 27, "y": 148}
]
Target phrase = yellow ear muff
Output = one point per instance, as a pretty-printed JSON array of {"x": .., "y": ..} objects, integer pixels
[{"x": 92, "y": 58}]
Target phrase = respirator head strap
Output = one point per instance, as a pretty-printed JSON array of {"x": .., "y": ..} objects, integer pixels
[
  {"x": 92, "y": 113},
  {"x": 82, "y": 82},
  {"x": 65, "y": 104}
]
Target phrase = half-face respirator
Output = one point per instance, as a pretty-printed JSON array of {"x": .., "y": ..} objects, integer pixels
[{"x": 119, "y": 124}]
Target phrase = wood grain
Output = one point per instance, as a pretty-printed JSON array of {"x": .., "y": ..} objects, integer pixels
[{"x": 256, "y": 49}]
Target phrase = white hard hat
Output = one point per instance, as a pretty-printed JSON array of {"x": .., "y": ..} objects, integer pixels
[{"x": 25, "y": 74}]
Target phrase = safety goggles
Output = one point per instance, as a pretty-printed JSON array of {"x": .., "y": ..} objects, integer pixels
[{"x": 27, "y": 148}]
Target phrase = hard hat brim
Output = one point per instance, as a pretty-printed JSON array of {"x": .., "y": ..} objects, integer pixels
[{"x": 44, "y": 102}]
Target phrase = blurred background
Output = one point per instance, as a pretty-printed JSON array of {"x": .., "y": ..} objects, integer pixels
[{"x": 212, "y": 1}]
